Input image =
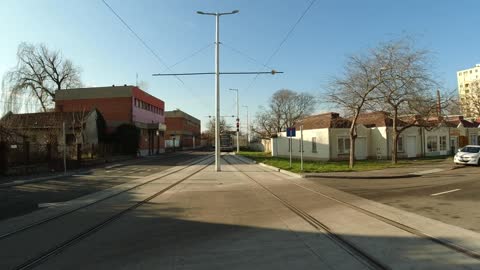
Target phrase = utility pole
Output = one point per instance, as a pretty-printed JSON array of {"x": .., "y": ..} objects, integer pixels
[
  {"x": 248, "y": 128},
  {"x": 238, "y": 121},
  {"x": 217, "y": 83},
  {"x": 217, "y": 74}
]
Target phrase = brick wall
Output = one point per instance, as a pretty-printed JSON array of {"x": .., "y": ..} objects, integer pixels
[{"x": 115, "y": 110}]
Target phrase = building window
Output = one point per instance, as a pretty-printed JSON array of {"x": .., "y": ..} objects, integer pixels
[
  {"x": 400, "y": 144},
  {"x": 443, "y": 143},
  {"x": 314, "y": 145},
  {"x": 467, "y": 91},
  {"x": 432, "y": 144},
  {"x": 473, "y": 139},
  {"x": 343, "y": 145}
]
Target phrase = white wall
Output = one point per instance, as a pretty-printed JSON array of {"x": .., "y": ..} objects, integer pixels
[{"x": 280, "y": 145}]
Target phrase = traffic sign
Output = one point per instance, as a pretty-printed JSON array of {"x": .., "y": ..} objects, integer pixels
[{"x": 291, "y": 132}]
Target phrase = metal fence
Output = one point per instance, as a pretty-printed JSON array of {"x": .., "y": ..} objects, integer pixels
[{"x": 27, "y": 158}]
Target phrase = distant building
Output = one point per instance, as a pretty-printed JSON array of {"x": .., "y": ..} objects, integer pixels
[
  {"x": 47, "y": 127},
  {"x": 121, "y": 105},
  {"x": 468, "y": 80},
  {"x": 182, "y": 129}
]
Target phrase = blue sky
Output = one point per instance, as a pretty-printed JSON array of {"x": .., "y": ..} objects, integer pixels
[{"x": 90, "y": 35}]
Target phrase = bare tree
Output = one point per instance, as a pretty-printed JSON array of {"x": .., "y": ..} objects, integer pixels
[
  {"x": 407, "y": 86},
  {"x": 285, "y": 108},
  {"x": 39, "y": 73},
  {"x": 354, "y": 91},
  {"x": 224, "y": 127}
]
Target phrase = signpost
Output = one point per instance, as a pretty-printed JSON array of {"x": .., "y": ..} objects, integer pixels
[
  {"x": 301, "y": 148},
  {"x": 290, "y": 133}
]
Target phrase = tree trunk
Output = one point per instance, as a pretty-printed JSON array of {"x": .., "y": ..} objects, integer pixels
[
  {"x": 395, "y": 139},
  {"x": 353, "y": 136}
]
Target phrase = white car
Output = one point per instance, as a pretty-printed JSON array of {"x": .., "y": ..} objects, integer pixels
[{"x": 469, "y": 154}]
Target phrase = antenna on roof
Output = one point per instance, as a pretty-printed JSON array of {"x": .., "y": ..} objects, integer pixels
[{"x": 136, "y": 79}]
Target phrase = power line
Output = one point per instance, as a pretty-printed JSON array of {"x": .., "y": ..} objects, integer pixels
[
  {"x": 191, "y": 55},
  {"x": 285, "y": 39},
  {"x": 159, "y": 59},
  {"x": 141, "y": 40},
  {"x": 245, "y": 55}
]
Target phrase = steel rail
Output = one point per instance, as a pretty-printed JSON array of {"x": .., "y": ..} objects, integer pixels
[
  {"x": 36, "y": 261},
  {"x": 448, "y": 244},
  {"x": 48, "y": 219},
  {"x": 349, "y": 247}
]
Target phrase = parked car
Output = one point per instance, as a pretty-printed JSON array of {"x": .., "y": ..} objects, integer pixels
[{"x": 469, "y": 154}]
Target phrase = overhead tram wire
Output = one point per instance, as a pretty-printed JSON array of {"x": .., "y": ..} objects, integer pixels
[
  {"x": 284, "y": 40},
  {"x": 191, "y": 55},
  {"x": 253, "y": 60},
  {"x": 157, "y": 57}
]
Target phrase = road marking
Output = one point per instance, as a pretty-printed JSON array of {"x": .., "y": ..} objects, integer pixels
[
  {"x": 113, "y": 166},
  {"x": 449, "y": 191},
  {"x": 428, "y": 171},
  {"x": 108, "y": 176}
]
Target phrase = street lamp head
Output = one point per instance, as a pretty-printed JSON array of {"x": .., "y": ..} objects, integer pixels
[
  {"x": 201, "y": 12},
  {"x": 235, "y": 11}
]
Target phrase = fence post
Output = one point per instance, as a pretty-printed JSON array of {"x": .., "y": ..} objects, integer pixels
[
  {"x": 3, "y": 158},
  {"x": 79, "y": 154}
]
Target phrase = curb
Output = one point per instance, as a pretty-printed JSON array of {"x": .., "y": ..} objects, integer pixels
[
  {"x": 362, "y": 177},
  {"x": 296, "y": 175},
  {"x": 40, "y": 179}
]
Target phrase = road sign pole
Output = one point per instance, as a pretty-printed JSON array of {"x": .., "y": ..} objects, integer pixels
[
  {"x": 301, "y": 148},
  {"x": 290, "y": 143}
]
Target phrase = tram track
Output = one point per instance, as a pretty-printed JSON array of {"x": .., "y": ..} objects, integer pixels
[
  {"x": 349, "y": 247},
  {"x": 55, "y": 217},
  {"x": 445, "y": 243},
  {"x": 57, "y": 249}
]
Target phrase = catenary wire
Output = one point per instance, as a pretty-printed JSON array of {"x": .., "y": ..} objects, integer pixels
[
  {"x": 149, "y": 48},
  {"x": 284, "y": 40},
  {"x": 253, "y": 60}
]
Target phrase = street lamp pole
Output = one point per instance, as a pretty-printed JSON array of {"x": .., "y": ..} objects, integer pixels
[
  {"x": 248, "y": 131},
  {"x": 238, "y": 121},
  {"x": 217, "y": 83}
]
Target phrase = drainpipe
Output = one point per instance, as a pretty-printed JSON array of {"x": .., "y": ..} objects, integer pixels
[
  {"x": 388, "y": 142},
  {"x": 329, "y": 144}
]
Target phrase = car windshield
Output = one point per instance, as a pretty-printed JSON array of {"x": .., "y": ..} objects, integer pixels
[{"x": 470, "y": 149}]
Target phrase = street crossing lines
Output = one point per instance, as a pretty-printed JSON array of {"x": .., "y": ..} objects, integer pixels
[{"x": 445, "y": 192}]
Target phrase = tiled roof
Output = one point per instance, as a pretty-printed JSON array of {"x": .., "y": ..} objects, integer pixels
[
  {"x": 374, "y": 119},
  {"x": 454, "y": 121},
  {"x": 324, "y": 120},
  {"x": 42, "y": 119}
]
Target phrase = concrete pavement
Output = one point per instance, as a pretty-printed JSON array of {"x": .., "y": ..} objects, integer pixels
[{"x": 245, "y": 217}]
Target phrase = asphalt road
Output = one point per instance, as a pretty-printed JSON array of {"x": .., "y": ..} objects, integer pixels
[
  {"x": 20, "y": 200},
  {"x": 451, "y": 196}
]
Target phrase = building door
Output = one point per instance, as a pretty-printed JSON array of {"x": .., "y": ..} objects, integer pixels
[
  {"x": 361, "y": 148},
  {"x": 454, "y": 143},
  {"x": 411, "y": 146}
]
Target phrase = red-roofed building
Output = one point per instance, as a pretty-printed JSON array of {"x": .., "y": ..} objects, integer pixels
[{"x": 121, "y": 105}]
